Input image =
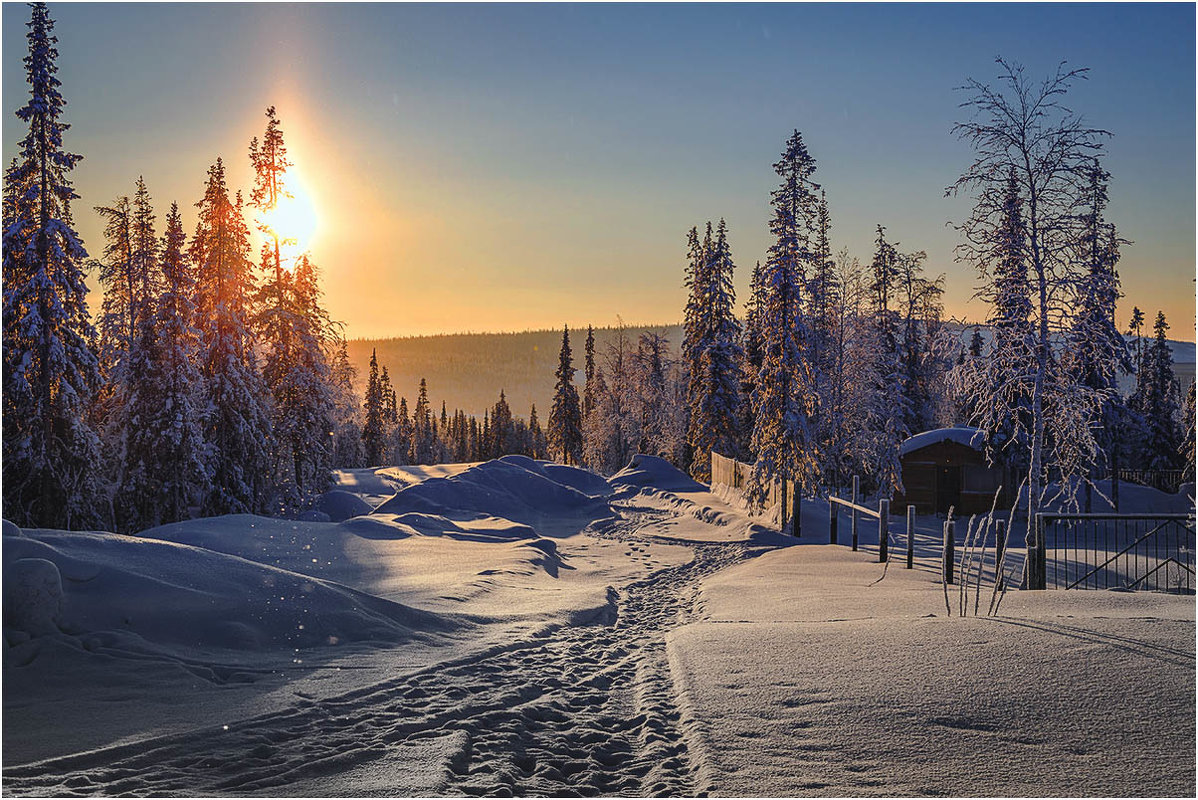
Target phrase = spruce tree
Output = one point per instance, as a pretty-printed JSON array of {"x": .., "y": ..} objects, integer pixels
[
  {"x": 998, "y": 388},
  {"x": 304, "y": 401},
  {"x": 502, "y": 427},
  {"x": 403, "y": 433},
  {"x": 373, "y": 432},
  {"x": 347, "y": 440},
  {"x": 1156, "y": 403},
  {"x": 537, "y": 435},
  {"x": 1186, "y": 450},
  {"x": 565, "y": 417},
  {"x": 50, "y": 370},
  {"x": 588, "y": 396},
  {"x": 238, "y": 403},
  {"x": 784, "y": 393},
  {"x": 1097, "y": 350},
  {"x": 712, "y": 355},
  {"x": 423, "y": 433},
  {"x": 166, "y": 457}
]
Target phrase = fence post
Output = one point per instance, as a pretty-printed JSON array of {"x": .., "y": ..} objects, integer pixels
[
  {"x": 1040, "y": 577},
  {"x": 883, "y": 529},
  {"x": 782, "y": 507},
  {"x": 950, "y": 547},
  {"x": 797, "y": 512},
  {"x": 853, "y": 516},
  {"x": 910, "y": 537},
  {"x": 1000, "y": 547},
  {"x": 833, "y": 520}
]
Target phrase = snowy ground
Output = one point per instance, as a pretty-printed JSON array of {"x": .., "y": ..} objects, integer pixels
[{"x": 520, "y": 627}]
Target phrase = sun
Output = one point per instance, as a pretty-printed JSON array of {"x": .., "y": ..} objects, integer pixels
[{"x": 293, "y": 219}]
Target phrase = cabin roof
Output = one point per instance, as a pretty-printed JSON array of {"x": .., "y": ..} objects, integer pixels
[{"x": 970, "y": 437}]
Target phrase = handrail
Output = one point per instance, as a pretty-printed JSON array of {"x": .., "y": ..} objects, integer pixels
[{"x": 873, "y": 512}]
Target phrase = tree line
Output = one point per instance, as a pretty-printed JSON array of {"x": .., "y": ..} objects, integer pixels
[
  {"x": 834, "y": 363},
  {"x": 212, "y": 381}
]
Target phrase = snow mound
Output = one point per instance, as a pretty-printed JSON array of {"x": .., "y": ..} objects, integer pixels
[
  {"x": 340, "y": 505},
  {"x": 414, "y": 523},
  {"x": 129, "y": 594},
  {"x": 656, "y": 472},
  {"x": 506, "y": 489},
  {"x": 583, "y": 480},
  {"x": 970, "y": 437},
  {"x": 32, "y": 595}
]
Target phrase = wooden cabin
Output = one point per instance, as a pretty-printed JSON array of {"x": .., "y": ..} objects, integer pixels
[{"x": 947, "y": 468}]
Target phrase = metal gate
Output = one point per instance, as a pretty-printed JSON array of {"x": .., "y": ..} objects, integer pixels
[{"x": 1153, "y": 552}]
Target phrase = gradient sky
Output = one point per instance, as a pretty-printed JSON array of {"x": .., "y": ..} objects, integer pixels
[{"x": 504, "y": 167}]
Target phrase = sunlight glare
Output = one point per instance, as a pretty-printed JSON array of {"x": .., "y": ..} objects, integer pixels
[{"x": 293, "y": 219}]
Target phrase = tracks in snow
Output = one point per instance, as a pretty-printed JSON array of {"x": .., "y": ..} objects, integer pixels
[{"x": 576, "y": 711}]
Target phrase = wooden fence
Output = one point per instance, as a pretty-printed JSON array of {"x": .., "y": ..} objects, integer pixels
[{"x": 735, "y": 475}]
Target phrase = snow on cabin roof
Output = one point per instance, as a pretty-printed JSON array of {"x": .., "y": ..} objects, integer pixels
[{"x": 970, "y": 437}]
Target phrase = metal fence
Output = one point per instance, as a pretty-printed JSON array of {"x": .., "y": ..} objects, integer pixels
[
  {"x": 1108, "y": 551},
  {"x": 1166, "y": 480}
]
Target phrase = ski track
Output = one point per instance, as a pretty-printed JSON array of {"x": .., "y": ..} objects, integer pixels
[{"x": 579, "y": 710}]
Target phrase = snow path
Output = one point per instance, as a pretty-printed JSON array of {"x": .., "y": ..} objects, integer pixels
[{"x": 579, "y": 710}]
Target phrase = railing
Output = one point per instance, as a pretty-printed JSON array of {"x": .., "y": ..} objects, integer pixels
[
  {"x": 1166, "y": 480},
  {"x": 1104, "y": 551}
]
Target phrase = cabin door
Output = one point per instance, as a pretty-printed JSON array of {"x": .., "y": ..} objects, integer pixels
[{"x": 948, "y": 489}]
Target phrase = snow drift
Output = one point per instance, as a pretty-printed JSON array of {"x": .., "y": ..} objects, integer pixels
[
  {"x": 133, "y": 595},
  {"x": 511, "y": 488}
]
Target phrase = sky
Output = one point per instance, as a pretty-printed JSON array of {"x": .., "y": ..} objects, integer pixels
[{"x": 506, "y": 167}]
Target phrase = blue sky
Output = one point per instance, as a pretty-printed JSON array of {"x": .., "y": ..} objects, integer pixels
[{"x": 500, "y": 167}]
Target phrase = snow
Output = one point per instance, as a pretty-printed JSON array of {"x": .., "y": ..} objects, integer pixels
[
  {"x": 807, "y": 676},
  {"x": 653, "y": 471},
  {"x": 519, "y": 626},
  {"x": 970, "y": 437}
]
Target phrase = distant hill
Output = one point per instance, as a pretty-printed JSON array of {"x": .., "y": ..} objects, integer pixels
[{"x": 467, "y": 370}]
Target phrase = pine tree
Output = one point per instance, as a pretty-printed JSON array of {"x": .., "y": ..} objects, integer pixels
[
  {"x": 347, "y": 440},
  {"x": 502, "y": 427},
  {"x": 712, "y": 355},
  {"x": 998, "y": 388},
  {"x": 1186, "y": 451},
  {"x": 588, "y": 397},
  {"x": 304, "y": 402},
  {"x": 372, "y": 429},
  {"x": 537, "y": 436},
  {"x": 1156, "y": 403},
  {"x": 238, "y": 403},
  {"x": 1097, "y": 350},
  {"x": 403, "y": 434},
  {"x": 1135, "y": 328},
  {"x": 166, "y": 457},
  {"x": 565, "y": 418},
  {"x": 423, "y": 433},
  {"x": 784, "y": 395},
  {"x": 50, "y": 370}
]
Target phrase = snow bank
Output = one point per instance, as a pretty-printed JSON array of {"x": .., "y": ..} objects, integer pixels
[
  {"x": 970, "y": 437},
  {"x": 507, "y": 489},
  {"x": 645, "y": 470},
  {"x": 340, "y": 505},
  {"x": 128, "y": 594},
  {"x": 809, "y": 676}
]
